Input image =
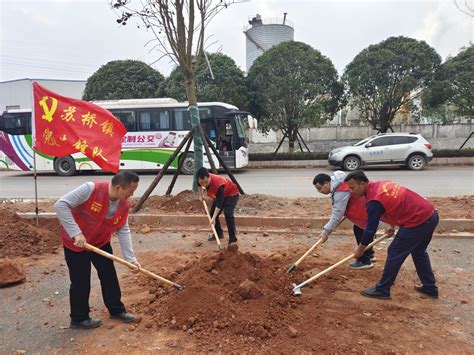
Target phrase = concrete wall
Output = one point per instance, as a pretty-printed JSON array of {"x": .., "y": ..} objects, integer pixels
[{"x": 329, "y": 137}]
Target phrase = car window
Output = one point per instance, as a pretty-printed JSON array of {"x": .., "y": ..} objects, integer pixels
[
  {"x": 362, "y": 142},
  {"x": 399, "y": 140},
  {"x": 402, "y": 140},
  {"x": 382, "y": 141}
]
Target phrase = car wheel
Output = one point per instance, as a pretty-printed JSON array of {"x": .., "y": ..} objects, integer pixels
[
  {"x": 188, "y": 164},
  {"x": 416, "y": 162},
  {"x": 351, "y": 163},
  {"x": 65, "y": 166}
]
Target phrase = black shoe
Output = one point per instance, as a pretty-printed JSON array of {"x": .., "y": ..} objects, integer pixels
[
  {"x": 213, "y": 238},
  {"x": 359, "y": 265},
  {"x": 124, "y": 317},
  {"x": 86, "y": 324},
  {"x": 374, "y": 293},
  {"x": 431, "y": 294}
]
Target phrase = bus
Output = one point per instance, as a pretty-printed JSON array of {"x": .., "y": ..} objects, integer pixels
[{"x": 155, "y": 128}]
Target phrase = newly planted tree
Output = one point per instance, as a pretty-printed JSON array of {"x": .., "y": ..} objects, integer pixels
[
  {"x": 178, "y": 32},
  {"x": 293, "y": 86}
]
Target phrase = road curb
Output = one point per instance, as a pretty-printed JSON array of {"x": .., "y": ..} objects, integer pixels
[
  {"x": 318, "y": 163},
  {"x": 453, "y": 227}
]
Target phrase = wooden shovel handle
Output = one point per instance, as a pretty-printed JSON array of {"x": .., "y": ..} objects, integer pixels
[
  {"x": 314, "y": 246},
  {"x": 347, "y": 258},
  {"x": 130, "y": 265},
  {"x": 212, "y": 225}
]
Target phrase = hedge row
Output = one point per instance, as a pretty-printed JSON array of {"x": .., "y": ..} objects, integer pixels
[{"x": 438, "y": 153}]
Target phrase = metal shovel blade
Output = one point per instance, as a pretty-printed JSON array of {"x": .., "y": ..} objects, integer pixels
[
  {"x": 292, "y": 267},
  {"x": 296, "y": 290},
  {"x": 178, "y": 287}
]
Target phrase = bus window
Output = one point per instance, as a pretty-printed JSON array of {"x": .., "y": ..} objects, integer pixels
[
  {"x": 154, "y": 120},
  {"x": 16, "y": 123},
  {"x": 182, "y": 121},
  {"x": 127, "y": 118},
  {"x": 239, "y": 123}
]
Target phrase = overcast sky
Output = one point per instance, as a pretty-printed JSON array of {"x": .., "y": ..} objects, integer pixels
[{"x": 71, "y": 39}]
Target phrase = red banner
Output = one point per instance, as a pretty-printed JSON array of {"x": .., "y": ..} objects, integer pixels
[{"x": 64, "y": 126}]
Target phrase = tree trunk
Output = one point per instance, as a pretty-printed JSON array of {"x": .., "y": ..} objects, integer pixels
[
  {"x": 195, "y": 120},
  {"x": 292, "y": 136},
  {"x": 384, "y": 118}
]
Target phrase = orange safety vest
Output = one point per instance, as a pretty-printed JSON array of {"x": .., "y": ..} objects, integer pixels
[
  {"x": 91, "y": 217},
  {"x": 403, "y": 207},
  {"x": 216, "y": 181},
  {"x": 356, "y": 211}
]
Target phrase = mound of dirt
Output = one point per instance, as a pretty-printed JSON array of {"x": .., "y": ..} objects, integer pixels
[
  {"x": 274, "y": 206},
  {"x": 10, "y": 274},
  {"x": 21, "y": 237},
  {"x": 237, "y": 294},
  {"x": 255, "y": 204}
]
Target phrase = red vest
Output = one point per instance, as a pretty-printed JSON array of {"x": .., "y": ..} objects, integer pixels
[
  {"x": 91, "y": 217},
  {"x": 356, "y": 211},
  {"x": 403, "y": 207},
  {"x": 216, "y": 181}
]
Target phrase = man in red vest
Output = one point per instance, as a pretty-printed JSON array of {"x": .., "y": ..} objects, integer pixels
[
  {"x": 92, "y": 213},
  {"x": 224, "y": 194},
  {"x": 344, "y": 204},
  {"x": 417, "y": 219}
]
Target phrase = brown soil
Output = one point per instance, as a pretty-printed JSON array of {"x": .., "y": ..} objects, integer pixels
[
  {"x": 265, "y": 205},
  {"x": 21, "y": 237},
  {"x": 10, "y": 273},
  {"x": 329, "y": 317}
]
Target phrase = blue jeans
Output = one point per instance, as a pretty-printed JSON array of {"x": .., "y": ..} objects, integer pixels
[{"x": 412, "y": 241}]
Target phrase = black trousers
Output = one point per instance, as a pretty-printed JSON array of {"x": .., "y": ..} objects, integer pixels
[
  {"x": 79, "y": 264},
  {"x": 365, "y": 258},
  {"x": 228, "y": 207},
  {"x": 412, "y": 241}
]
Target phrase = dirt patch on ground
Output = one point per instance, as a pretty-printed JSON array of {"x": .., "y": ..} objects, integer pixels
[
  {"x": 267, "y": 318},
  {"x": 21, "y": 237},
  {"x": 266, "y": 205},
  {"x": 263, "y": 205},
  {"x": 10, "y": 273}
]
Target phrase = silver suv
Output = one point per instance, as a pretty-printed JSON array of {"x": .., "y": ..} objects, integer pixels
[{"x": 405, "y": 149}]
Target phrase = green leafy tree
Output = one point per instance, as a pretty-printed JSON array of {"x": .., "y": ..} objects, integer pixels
[
  {"x": 227, "y": 86},
  {"x": 124, "y": 79},
  {"x": 451, "y": 93},
  {"x": 385, "y": 78},
  {"x": 293, "y": 86}
]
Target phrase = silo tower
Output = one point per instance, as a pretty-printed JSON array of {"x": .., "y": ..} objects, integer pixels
[{"x": 262, "y": 34}]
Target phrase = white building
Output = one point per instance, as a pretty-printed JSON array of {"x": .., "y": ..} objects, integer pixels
[
  {"x": 17, "y": 94},
  {"x": 262, "y": 34}
]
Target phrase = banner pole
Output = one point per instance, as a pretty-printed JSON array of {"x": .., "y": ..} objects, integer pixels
[{"x": 33, "y": 129}]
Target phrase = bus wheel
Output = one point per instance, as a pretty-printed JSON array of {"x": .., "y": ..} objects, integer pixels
[
  {"x": 65, "y": 166},
  {"x": 188, "y": 164}
]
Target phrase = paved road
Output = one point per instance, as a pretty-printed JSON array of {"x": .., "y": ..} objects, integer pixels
[{"x": 434, "y": 181}]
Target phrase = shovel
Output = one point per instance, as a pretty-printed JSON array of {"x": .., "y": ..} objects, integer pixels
[
  {"x": 292, "y": 267},
  {"x": 297, "y": 288},
  {"x": 212, "y": 226},
  {"x": 315, "y": 245},
  {"x": 131, "y": 266}
]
